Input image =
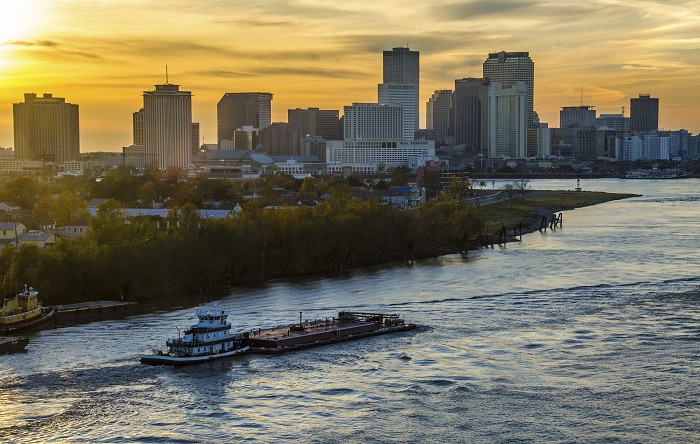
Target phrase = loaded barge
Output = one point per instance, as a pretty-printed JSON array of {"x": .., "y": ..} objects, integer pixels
[
  {"x": 347, "y": 326},
  {"x": 211, "y": 338}
]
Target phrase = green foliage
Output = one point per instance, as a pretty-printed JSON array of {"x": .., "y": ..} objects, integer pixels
[
  {"x": 399, "y": 176},
  {"x": 63, "y": 209}
]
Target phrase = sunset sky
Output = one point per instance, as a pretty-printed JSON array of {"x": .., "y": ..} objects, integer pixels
[{"x": 102, "y": 54}]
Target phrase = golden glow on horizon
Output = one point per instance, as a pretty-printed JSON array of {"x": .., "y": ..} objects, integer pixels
[
  {"x": 15, "y": 18},
  {"x": 319, "y": 53}
]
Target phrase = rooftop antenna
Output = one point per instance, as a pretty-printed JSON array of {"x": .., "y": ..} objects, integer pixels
[
  {"x": 166, "y": 75},
  {"x": 623, "y": 111}
]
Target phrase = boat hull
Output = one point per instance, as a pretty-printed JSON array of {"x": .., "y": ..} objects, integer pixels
[
  {"x": 46, "y": 319},
  {"x": 13, "y": 345},
  {"x": 186, "y": 360},
  {"x": 316, "y": 340}
]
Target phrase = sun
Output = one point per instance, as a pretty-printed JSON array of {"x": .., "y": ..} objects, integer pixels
[{"x": 15, "y": 19}]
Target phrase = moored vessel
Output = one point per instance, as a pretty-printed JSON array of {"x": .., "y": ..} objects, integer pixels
[
  {"x": 12, "y": 345},
  {"x": 24, "y": 312},
  {"x": 209, "y": 339}
]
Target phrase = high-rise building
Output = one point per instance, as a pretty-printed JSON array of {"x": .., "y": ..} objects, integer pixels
[
  {"x": 167, "y": 127},
  {"x": 644, "y": 114},
  {"x": 470, "y": 113},
  {"x": 195, "y": 138},
  {"x": 236, "y": 110},
  {"x": 511, "y": 67},
  {"x": 613, "y": 122},
  {"x": 577, "y": 117},
  {"x": 507, "y": 120},
  {"x": 280, "y": 139},
  {"x": 404, "y": 95},
  {"x": 401, "y": 65},
  {"x": 437, "y": 114},
  {"x": 46, "y": 128},
  {"x": 138, "y": 127},
  {"x": 373, "y": 121},
  {"x": 316, "y": 122}
]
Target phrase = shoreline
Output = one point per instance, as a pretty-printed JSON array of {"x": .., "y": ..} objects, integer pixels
[{"x": 529, "y": 212}]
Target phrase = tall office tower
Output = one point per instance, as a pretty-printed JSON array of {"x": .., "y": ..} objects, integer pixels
[
  {"x": 437, "y": 114},
  {"x": 644, "y": 114},
  {"x": 138, "y": 127},
  {"x": 195, "y": 138},
  {"x": 614, "y": 122},
  {"x": 404, "y": 95},
  {"x": 46, "y": 128},
  {"x": 507, "y": 120},
  {"x": 236, "y": 110},
  {"x": 577, "y": 117},
  {"x": 280, "y": 139},
  {"x": 401, "y": 65},
  {"x": 167, "y": 126},
  {"x": 470, "y": 113},
  {"x": 373, "y": 121},
  {"x": 316, "y": 122},
  {"x": 511, "y": 67}
]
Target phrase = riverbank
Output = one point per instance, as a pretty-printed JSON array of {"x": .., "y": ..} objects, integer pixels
[{"x": 530, "y": 208}]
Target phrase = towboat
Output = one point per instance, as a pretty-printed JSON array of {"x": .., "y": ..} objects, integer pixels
[
  {"x": 24, "y": 312},
  {"x": 209, "y": 339}
]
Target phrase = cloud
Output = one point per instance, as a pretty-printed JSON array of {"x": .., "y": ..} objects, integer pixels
[{"x": 40, "y": 43}]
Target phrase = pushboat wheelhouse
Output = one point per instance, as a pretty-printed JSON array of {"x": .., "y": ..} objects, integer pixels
[{"x": 210, "y": 338}]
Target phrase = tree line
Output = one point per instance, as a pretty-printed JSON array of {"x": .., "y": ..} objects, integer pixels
[{"x": 124, "y": 256}]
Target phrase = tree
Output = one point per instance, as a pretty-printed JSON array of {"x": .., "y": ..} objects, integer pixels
[
  {"x": 400, "y": 175},
  {"x": 62, "y": 209},
  {"x": 522, "y": 186},
  {"x": 510, "y": 191},
  {"x": 459, "y": 188},
  {"x": 108, "y": 226}
]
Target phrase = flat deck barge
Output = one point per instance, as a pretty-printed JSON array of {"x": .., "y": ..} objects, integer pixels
[
  {"x": 83, "y": 312},
  {"x": 312, "y": 333}
]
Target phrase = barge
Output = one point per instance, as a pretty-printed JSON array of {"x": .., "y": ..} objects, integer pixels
[{"x": 347, "y": 326}]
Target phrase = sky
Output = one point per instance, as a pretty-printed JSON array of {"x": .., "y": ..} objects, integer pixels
[{"x": 103, "y": 54}]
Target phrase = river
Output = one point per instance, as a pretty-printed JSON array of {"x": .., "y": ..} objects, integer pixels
[{"x": 587, "y": 333}]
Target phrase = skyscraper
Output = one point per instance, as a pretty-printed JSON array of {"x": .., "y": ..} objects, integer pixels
[
  {"x": 138, "y": 127},
  {"x": 577, "y": 117},
  {"x": 373, "y": 121},
  {"x": 404, "y": 95},
  {"x": 236, "y": 110},
  {"x": 507, "y": 120},
  {"x": 470, "y": 113},
  {"x": 511, "y": 67},
  {"x": 167, "y": 126},
  {"x": 437, "y": 114},
  {"x": 46, "y": 128},
  {"x": 401, "y": 65},
  {"x": 644, "y": 114},
  {"x": 316, "y": 122}
]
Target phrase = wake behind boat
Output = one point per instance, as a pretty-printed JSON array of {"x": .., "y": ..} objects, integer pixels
[{"x": 209, "y": 339}]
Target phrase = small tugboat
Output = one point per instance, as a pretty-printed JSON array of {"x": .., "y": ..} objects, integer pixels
[
  {"x": 24, "y": 312},
  {"x": 210, "y": 338},
  {"x": 12, "y": 345}
]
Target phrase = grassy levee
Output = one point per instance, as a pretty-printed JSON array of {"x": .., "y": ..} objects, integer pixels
[{"x": 537, "y": 203}]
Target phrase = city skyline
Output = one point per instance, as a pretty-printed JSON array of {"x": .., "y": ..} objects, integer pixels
[{"x": 319, "y": 54}]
